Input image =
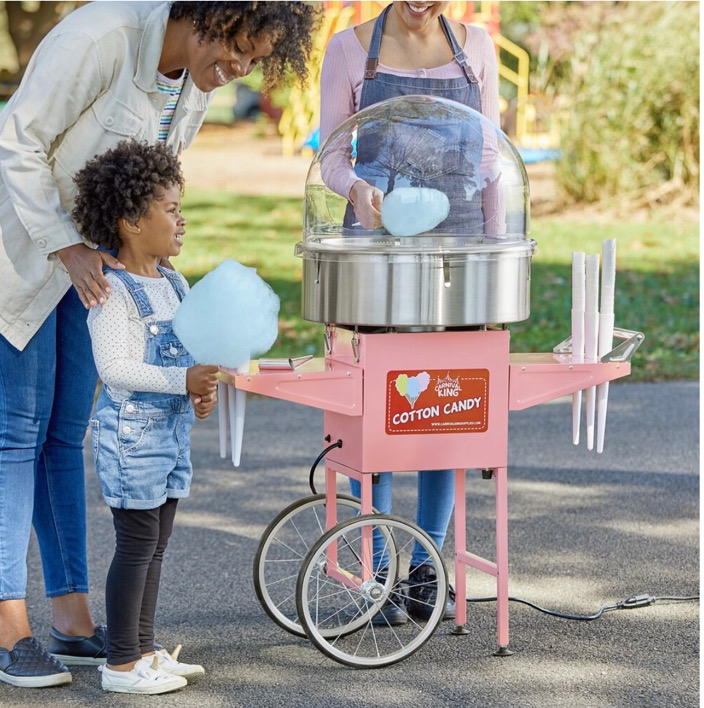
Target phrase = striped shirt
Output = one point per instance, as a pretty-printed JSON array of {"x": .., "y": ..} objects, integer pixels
[{"x": 171, "y": 87}]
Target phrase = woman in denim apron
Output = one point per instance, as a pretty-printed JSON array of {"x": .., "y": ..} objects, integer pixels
[{"x": 422, "y": 156}]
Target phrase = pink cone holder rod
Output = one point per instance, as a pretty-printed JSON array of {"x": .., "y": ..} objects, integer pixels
[{"x": 354, "y": 385}]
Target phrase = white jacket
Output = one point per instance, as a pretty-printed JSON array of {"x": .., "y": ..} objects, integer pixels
[{"x": 90, "y": 84}]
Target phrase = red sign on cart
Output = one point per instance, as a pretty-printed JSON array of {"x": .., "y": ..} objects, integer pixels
[{"x": 437, "y": 401}]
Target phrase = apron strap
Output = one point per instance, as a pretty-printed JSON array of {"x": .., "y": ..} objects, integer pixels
[
  {"x": 457, "y": 51},
  {"x": 370, "y": 68},
  {"x": 375, "y": 45}
]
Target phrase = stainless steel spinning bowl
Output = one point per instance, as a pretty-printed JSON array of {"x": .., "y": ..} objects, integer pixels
[{"x": 474, "y": 284}]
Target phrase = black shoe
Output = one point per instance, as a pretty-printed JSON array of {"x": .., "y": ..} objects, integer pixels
[
  {"x": 394, "y": 613},
  {"x": 29, "y": 665},
  {"x": 422, "y": 593},
  {"x": 80, "y": 651}
]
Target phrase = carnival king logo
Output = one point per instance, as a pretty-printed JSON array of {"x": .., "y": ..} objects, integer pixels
[{"x": 448, "y": 387}]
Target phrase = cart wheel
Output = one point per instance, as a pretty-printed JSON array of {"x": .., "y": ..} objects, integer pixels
[
  {"x": 334, "y": 596},
  {"x": 283, "y": 546}
]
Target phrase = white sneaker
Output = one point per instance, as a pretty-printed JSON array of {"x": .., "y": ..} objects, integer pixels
[
  {"x": 168, "y": 662},
  {"x": 145, "y": 677}
]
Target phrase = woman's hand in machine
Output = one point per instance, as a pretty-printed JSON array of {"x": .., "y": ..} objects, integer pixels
[
  {"x": 85, "y": 268},
  {"x": 366, "y": 202}
]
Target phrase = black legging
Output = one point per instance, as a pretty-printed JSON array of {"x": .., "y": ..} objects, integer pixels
[{"x": 132, "y": 585}]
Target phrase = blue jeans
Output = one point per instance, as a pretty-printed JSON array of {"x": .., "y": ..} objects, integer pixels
[
  {"x": 142, "y": 449},
  {"x": 46, "y": 395},
  {"x": 436, "y": 498}
]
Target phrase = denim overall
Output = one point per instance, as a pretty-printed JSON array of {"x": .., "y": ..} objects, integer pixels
[
  {"x": 426, "y": 155},
  {"x": 141, "y": 444},
  {"x": 421, "y": 153}
]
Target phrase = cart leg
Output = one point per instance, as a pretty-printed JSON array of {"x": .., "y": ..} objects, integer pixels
[
  {"x": 500, "y": 476},
  {"x": 330, "y": 496},
  {"x": 460, "y": 627}
]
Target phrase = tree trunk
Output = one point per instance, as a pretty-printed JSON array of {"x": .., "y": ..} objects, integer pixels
[{"x": 27, "y": 28}]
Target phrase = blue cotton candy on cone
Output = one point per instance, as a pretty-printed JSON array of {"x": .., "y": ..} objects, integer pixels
[{"x": 228, "y": 317}]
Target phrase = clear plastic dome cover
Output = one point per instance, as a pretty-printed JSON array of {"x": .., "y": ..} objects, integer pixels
[{"x": 450, "y": 179}]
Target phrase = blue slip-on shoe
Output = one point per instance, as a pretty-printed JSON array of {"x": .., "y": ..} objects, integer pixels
[
  {"x": 29, "y": 665},
  {"x": 80, "y": 651}
]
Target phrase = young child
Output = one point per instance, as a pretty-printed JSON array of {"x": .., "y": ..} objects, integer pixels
[{"x": 129, "y": 198}]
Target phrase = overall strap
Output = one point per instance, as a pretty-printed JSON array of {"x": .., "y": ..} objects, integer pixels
[
  {"x": 175, "y": 281},
  {"x": 140, "y": 297},
  {"x": 457, "y": 51}
]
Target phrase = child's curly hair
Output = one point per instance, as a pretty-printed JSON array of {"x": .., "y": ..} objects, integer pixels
[
  {"x": 121, "y": 184},
  {"x": 291, "y": 25}
]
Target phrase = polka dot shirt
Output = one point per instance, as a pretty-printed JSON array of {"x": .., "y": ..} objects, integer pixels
[{"x": 118, "y": 337}]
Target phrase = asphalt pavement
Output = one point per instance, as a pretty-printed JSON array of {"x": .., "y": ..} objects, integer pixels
[{"x": 585, "y": 530}]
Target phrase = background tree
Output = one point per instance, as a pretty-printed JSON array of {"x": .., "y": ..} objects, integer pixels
[
  {"x": 28, "y": 22},
  {"x": 627, "y": 75}
]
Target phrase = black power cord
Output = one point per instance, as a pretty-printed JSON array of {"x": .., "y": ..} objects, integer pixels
[
  {"x": 338, "y": 443},
  {"x": 629, "y": 603}
]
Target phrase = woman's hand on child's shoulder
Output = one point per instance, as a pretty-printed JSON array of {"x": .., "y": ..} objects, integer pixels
[{"x": 84, "y": 266}]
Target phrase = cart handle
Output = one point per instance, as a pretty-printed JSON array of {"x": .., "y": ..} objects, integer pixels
[{"x": 621, "y": 352}]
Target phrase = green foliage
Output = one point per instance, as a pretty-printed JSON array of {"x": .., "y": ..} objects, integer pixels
[
  {"x": 633, "y": 99},
  {"x": 657, "y": 291},
  {"x": 657, "y": 282}
]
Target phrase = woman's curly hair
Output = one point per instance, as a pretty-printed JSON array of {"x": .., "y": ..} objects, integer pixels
[
  {"x": 121, "y": 184},
  {"x": 291, "y": 25}
]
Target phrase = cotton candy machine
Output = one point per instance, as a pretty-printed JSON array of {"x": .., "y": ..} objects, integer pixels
[
  {"x": 415, "y": 375},
  {"x": 453, "y": 249}
]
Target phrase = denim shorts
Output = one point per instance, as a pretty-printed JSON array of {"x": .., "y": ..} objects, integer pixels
[{"x": 142, "y": 449}]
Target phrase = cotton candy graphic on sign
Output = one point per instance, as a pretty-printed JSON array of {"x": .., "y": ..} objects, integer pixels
[
  {"x": 228, "y": 317},
  {"x": 410, "y": 387}
]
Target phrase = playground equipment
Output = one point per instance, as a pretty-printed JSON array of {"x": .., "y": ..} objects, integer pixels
[{"x": 417, "y": 374}]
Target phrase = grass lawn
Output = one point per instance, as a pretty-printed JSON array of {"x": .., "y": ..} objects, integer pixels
[{"x": 657, "y": 284}]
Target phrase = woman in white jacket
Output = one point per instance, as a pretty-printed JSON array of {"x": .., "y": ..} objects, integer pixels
[{"x": 109, "y": 71}]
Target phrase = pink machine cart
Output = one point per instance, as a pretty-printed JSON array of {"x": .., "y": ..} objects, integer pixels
[{"x": 417, "y": 373}]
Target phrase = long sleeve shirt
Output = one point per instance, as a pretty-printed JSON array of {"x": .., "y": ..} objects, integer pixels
[
  {"x": 118, "y": 337},
  {"x": 343, "y": 75}
]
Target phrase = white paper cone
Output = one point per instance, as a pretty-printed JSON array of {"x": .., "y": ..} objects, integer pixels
[
  {"x": 602, "y": 404},
  {"x": 231, "y": 417},
  {"x": 591, "y": 337},
  {"x": 222, "y": 418},
  {"x": 577, "y": 357},
  {"x": 606, "y": 331},
  {"x": 237, "y": 427},
  {"x": 606, "y": 334},
  {"x": 578, "y": 295}
]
